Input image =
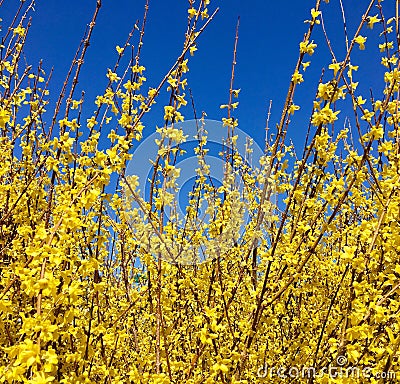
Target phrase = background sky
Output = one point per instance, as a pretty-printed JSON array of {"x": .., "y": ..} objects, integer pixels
[
  {"x": 270, "y": 32},
  {"x": 268, "y": 48}
]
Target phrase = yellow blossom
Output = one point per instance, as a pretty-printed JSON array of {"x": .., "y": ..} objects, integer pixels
[
  {"x": 4, "y": 117},
  {"x": 360, "y": 40},
  {"x": 372, "y": 20},
  {"x": 335, "y": 68},
  {"x": 192, "y": 12},
  {"x": 307, "y": 47},
  {"x": 293, "y": 108},
  {"x": 112, "y": 76},
  {"x": 297, "y": 77},
  {"x": 324, "y": 116},
  {"x": 305, "y": 65},
  {"x": 20, "y": 30}
]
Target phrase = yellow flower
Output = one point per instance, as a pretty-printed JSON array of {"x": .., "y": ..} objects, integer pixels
[
  {"x": 4, "y": 117},
  {"x": 220, "y": 367},
  {"x": 19, "y": 30},
  {"x": 112, "y": 76},
  {"x": 305, "y": 65},
  {"x": 360, "y": 40},
  {"x": 138, "y": 69},
  {"x": 307, "y": 47},
  {"x": 204, "y": 14},
  {"x": 235, "y": 92},
  {"x": 29, "y": 355},
  {"x": 173, "y": 82},
  {"x": 169, "y": 112},
  {"x": 41, "y": 378},
  {"x": 75, "y": 104},
  {"x": 360, "y": 100},
  {"x": 314, "y": 13},
  {"x": 91, "y": 122},
  {"x": 112, "y": 136},
  {"x": 388, "y": 45},
  {"x": 293, "y": 108},
  {"x": 335, "y": 68},
  {"x": 368, "y": 115},
  {"x": 192, "y": 12},
  {"x": 297, "y": 77},
  {"x": 51, "y": 359},
  {"x": 229, "y": 122},
  {"x": 351, "y": 69},
  {"x": 184, "y": 66},
  {"x": 324, "y": 116},
  {"x": 372, "y": 20},
  {"x": 192, "y": 50}
]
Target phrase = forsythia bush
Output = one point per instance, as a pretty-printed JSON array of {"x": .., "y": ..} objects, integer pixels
[{"x": 98, "y": 285}]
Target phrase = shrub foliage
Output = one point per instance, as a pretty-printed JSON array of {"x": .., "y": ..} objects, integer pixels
[{"x": 98, "y": 284}]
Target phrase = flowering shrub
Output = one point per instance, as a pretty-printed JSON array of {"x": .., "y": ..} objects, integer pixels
[{"x": 95, "y": 284}]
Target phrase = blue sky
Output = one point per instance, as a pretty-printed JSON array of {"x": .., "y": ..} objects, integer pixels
[{"x": 270, "y": 33}]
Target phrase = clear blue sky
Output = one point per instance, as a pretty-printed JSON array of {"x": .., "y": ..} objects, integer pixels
[{"x": 270, "y": 33}]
